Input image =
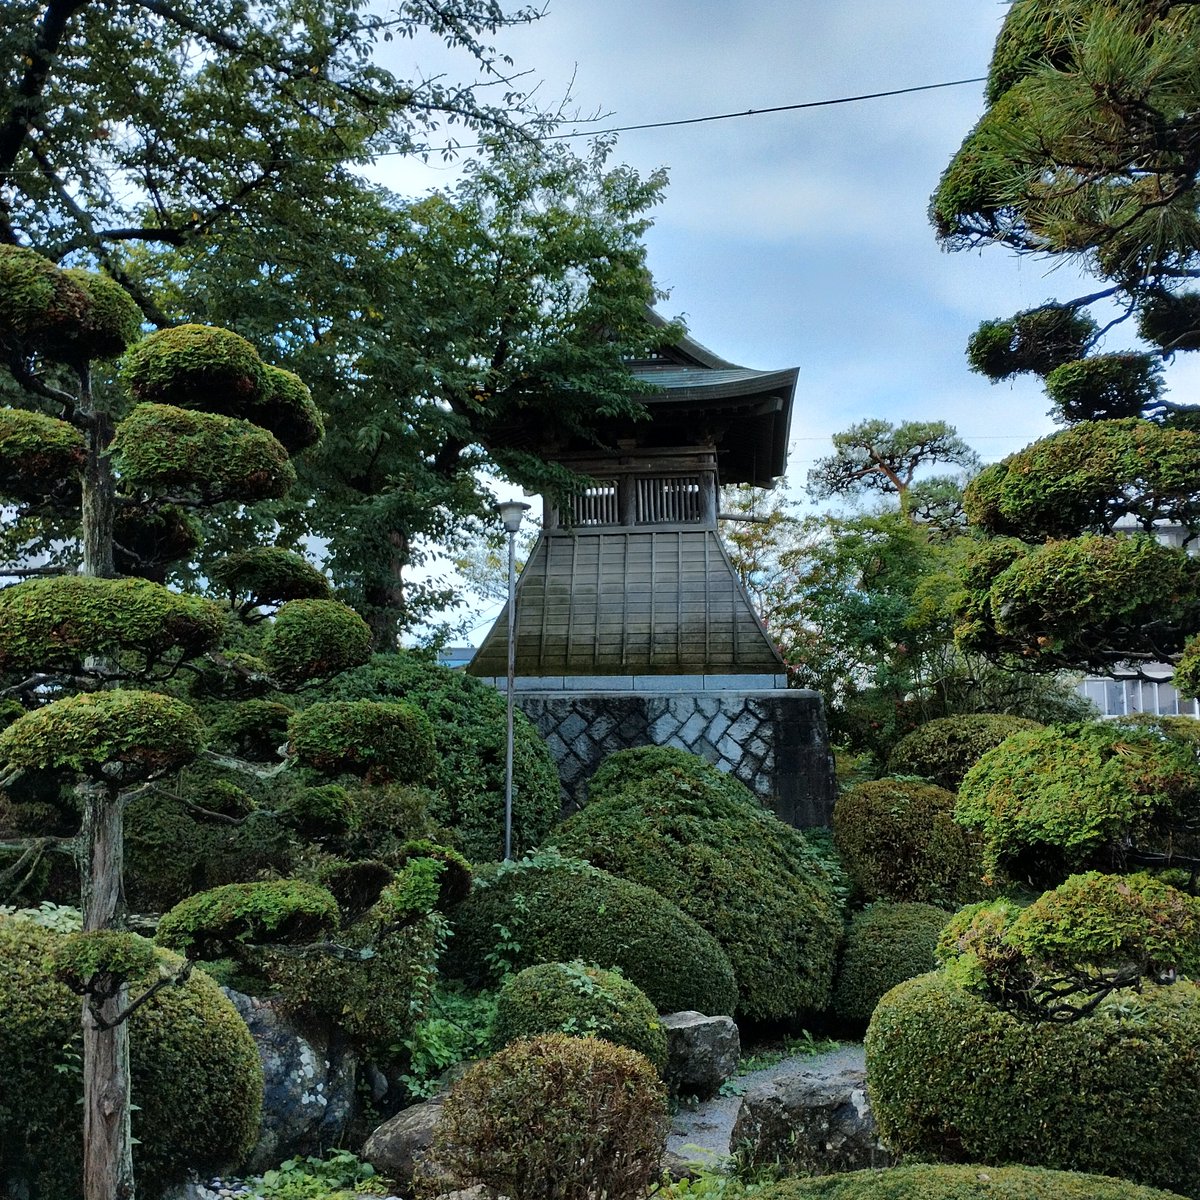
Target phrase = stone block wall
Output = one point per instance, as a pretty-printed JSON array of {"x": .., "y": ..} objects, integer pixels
[{"x": 775, "y": 742}]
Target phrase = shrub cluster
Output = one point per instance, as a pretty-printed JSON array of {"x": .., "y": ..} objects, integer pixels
[
  {"x": 627, "y": 768},
  {"x": 384, "y": 742},
  {"x": 899, "y": 841},
  {"x": 745, "y": 876},
  {"x": 945, "y": 749},
  {"x": 584, "y": 1001},
  {"x": 953, "y": 1077},
  {"x": 547, "y": 908}
]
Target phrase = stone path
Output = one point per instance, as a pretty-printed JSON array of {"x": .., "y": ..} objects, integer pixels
[{"x": 701, "y": 1133}]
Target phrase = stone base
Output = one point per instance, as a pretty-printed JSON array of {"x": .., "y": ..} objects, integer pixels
[{"x": 775, "y": 742}]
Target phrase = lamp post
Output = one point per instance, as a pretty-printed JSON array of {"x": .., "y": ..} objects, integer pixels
[{"x": 510, "y": 512}]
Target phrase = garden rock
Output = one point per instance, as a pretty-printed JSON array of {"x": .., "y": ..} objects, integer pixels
[
  {"x": 815, "y": 1120},
  {"x": 399, "y": 1148},
  {"x": 308, "y": 1087},
  {"x": 702, "y": 1052}
]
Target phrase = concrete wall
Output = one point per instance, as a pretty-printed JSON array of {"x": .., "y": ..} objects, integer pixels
[{"x": 775, "y": 742}]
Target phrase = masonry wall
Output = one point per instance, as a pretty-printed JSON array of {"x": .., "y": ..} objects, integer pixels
[{"x": 775, "y": 742}]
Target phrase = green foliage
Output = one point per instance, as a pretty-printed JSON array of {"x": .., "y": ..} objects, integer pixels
[
  {"x": 215, "y": 923},
  {"x": 314, "y": 639},
  {"x": 57, "y": 624},
  {"x": 744, "y": 875},
  {"x": 581, "y": 1000},
  {"x": 1187, "y": 670},
  {"x": 899, "y": 840},
  {"x": 936, "y": 1181},
  {"x": 944, "y": 749},
  {"x": 319, "y": 813},
  {"x": 337, "y": 1176},
  {"x": 554, "y": 1118},
  {"x": 1050, "y": 801},
  {"x": 163, "y": 448},
  {"x": 885, "y": 945},
  {"x": 627, "y": 768},
  {"x": 196, "y": 367},
  {"x": 111, "y": 322},
  {"x": 269, "y": 575},
  {"x": 288, "y": 410},
  {"x": 1106, "y": 386},
  {"x": 468, "y": 720},
  {"x": 40, "y": 456},
  {"x": 547, "y": 908},
  {"x": 196, "y": 1079},
  {"x": 41, "y": 307},
  {"x": 1088, "y": 478},
  {"x": 1037, "y": 340},
  {"x": 383, "y": 742},
  {"x": 1171, "y": 321},
  {"x": 457, "y": 1027},
  {"x": 384, "y": 818},
  {"x": 952, "y": 1077},
  {"x": 250, "y": 729},
  {"x": 80, "y": 956},
  {"x": 120, "y": 737},
  {"x": 148, "y": 537}
]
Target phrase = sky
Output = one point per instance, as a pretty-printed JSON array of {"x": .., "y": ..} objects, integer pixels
[{"x": 801, "y": 238}]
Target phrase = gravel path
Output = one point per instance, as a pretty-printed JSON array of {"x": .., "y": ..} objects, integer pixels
[{"x": 701, "y": 1133}]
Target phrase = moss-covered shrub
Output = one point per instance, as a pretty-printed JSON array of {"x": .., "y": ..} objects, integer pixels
[
  {"x": 583, "y": 1001},
  {"x": 196, "y": 366},
  {"x": 216, "y": 923},
  {"x": 251, "y": 729},
  {"x": 899, "y": 841},
  {"x": 56, "y": 624},
  {"x": 40, "y": 456},
  {"x": 939, "y": 1181},
  {"x": 625, "y": 768},
  {"x": 554, "y": 1118},
  {"x": 744, "y": 875},
  {"x": 469, "y": 735},
  {"x": 319, "y": 814},
  {"x": 43, "y": 307},
  {"x": 384, "y": 818},
  {"x": 112, "y": 321},
  {"x": 383, "y": 742},
  {"x": 547, "y": 908},
  {"x": 945, "y": 749},
  {"x": 952, "y": 1077},
  {"x": 314, "y": 639},
  {"x": 196, "y": 1079},
  {"x": 117, "y": 736},
  {"x": 162, "y": 448},
  {"x": 1055, "y": 800},
  {"x": 287, "y": 409},
  {"x": 269, "y": 575},
  {"x": 885, "y": 945}
]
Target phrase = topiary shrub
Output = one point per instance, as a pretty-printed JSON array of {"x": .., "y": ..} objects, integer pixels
[
  {"x": 196, "y": 1080},
  {"x": 383, "y": 742},
  {"x": 1051, "y": 801},
  {"x": 952, "y": 1077},
  {"x": 899, "y": 841},
  {"x": 1105, "y": 386},
  {"x": 269, "y": 575},
  {"x": 40, "y": 457},
  {"x": 468, "y": 720},
  {"x": 251, "y": 729},
  {"x": 935, "y": 1181},
  {"x": 384, "y": 818},
  {"x": 314, "y": 639},
  {"x": 945, "y": 749},
  {"x": 287, "y": 409},
  {"x": 44, "y": 306},
  {"x": 554, "y": 1118},
  {"x": 583, "y": 1001},
  {"x": 547, "y": 908},
  {"x": 112, "y": 321},
  {"x": 744, "y": 875},
  {"x": 625, "y": 768},
  {"x": 885, "y": 945},
  {"x": 196, "y": 366}
]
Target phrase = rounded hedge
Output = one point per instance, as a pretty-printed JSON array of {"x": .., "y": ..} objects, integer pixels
[
  {"x": 899, "y": 841},
  {"x": 198, "y": 367},
  {"x": 1105, "y": 386},
  {"x": 885, "y": 945},
  {"x": 40, "y": 456},
  {"x": 112, "y": 321},
  {"x": 468, "y": 720},
  {"x": 554, "y": 1117},
  {"x": 313, "y": 639},
  {"x": 937, "y": 1181},
  {"x": 583, "y": 1001},
  {"x": 749, "y": 879},
  {"x": 625, "y": 768},
  {"x": 1051, "y": 801},
  {"x": 548, "y": 908},
  {"x": 269, "y": 575},
  {"x": 42, "y": 308},
  {"x": 287, "y": 409},
  {"x": 384, "y": 742},
  {"x": 196, "y": 1081},
  {"x": 945, "y": 749},
  {"x": 952, "y": 1077}
]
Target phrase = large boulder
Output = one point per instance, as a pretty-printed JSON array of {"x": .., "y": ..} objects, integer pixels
[
  {"x": 814, "y": 1120},
  {"x": 702, "y": 1052},
  {"x": 400, "y": 1148}
]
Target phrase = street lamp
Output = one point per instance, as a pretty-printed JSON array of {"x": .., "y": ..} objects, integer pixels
[{"x": 510, "y": 513}]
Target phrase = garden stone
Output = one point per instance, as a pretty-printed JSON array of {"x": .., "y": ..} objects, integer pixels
[
  {"x": 399, "y": 1148},
  {"x": 702, "y": 1052},
  {"x": 815, "y": 1120},
  {"x": 308, "y": 1086}
]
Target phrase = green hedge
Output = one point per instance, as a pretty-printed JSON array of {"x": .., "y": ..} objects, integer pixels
[
  {"x": 547, "y": 908},
  {"x": 899, "y": 841},
  {"x": 928, "y": 1181},
  {"x": 885, "y": 945},
  {"x": 745, "y": 876},
  {"x": 583, "y": 1001},
  {"x": 945, "y": 749},
  {"x": 952, "y": 1077},
  {"x": 196, "y": 1079},
  {"x": 383, "y": 742},
  {"x": 625, "y": 768}
]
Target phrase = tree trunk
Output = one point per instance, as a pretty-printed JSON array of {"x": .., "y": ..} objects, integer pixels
[
  {"x": 99, "y": 504},
  {"x": 107, "y": 1132},
  {"x": 385, "y": 598}
]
